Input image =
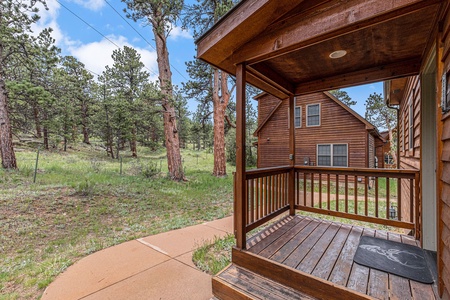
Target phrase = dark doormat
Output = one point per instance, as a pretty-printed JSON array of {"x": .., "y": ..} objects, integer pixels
[{"x": 393, "y": 257}]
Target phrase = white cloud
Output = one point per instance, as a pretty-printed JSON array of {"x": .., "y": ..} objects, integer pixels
[
  {"x": 178, "y": 32},
  {"x": 97, "y": 55},
  {"x": 94, "y": 5}
]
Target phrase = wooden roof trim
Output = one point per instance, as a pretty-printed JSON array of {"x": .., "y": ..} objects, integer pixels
[
  {"x": 320, "y": 27},
  {"x": 269, "y": 115}
]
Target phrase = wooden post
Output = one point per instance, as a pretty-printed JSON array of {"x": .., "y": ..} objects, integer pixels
[
  {"x": 241, "y": 200},
  {"x": 291, "y": 188}
]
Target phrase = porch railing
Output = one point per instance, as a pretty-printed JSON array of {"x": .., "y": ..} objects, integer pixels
[{"x": 381, "y": 196}]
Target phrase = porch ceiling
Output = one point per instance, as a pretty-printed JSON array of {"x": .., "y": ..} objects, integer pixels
[{"x": 286, "y": 44}]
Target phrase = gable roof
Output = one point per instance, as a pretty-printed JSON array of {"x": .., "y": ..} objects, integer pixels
[{"x": 369, "y": 126}]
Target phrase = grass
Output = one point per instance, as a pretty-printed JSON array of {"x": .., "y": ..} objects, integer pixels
[
  {"x": 215, "y": 255},
  {"x": 382, "y": 187},
  {"x": 81, "y": 203}
]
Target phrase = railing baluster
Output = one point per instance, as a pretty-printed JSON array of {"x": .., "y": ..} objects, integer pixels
[
  {"x": 304, "y": 188},
  {"x": 376, "y": 197},
  {"x": 266, "y": 197},
  {"x": 346, "y": 193},
  {"x": 366, "y": 196},
  {"x": 273, "y": 196},
  {"x": 328, "y": 192},
  {"x": 399, "y": 198},
  {"x": 297, "y": 189},
  {"x": 356, "y": 195},
  {"x": 337, "y": 192},
  {"x": 312, "y": 189},
  {"x": 388, "y": 196},
  {"x": 252, "y": 200},
  {"x": 320, "y": 190}
]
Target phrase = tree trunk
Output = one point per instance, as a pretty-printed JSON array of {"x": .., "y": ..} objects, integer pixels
[
  {"x": 36, "y": 121},
  {"x": 84, "y": 123},
  {"x": 170, "y": 123},
  {"x": 6, "y": 144},
  {"x": 133, "y": 146},
  {"x": 220, "y": 103}
]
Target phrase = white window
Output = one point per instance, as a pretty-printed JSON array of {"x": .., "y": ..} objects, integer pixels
[
  {"x": 313, "y": 115},
  {"x": 298, "y": 116},
  {"x": 332, "y": 155},
  {"x": 411, "y": 125}
]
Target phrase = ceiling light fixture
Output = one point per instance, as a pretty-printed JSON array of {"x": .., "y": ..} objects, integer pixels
[{"x": 338, "y": 54}]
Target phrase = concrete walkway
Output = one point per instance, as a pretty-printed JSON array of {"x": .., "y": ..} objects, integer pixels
[{"x": 155, "y": 267}]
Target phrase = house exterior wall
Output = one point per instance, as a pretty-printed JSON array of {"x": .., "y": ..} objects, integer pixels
[
  {"x": 444, "y": 161},
  {"x": 409, "y": 148},
  {"x": 337, "y": 126}
]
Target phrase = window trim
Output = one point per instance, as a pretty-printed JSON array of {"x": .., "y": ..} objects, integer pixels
[
  {"x": 300, "y": 116},
  {"x": 307, "y": 116},
  {"x": 331, "y": 154}
]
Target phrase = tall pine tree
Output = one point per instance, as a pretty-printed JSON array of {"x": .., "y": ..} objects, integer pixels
[{"x": 161, "y": 14}]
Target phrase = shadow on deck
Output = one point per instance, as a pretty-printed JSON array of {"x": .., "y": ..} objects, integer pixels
[{"x": 306, "y": 258}]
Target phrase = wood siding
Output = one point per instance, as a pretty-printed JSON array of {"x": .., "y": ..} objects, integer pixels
[
  {"x": 337, "y": 126},
  {"x": 444, "y": 193},
  {"x": 410, "y": 152}
]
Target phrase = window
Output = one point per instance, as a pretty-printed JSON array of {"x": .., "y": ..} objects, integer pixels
[
  {"x": 411, "y": 125},
  {"x": 313, "y": 115},
  {"x": 388, "y": 159},
  {"x": 333, "y": 155},
  {"x": 298, "y": 116}
]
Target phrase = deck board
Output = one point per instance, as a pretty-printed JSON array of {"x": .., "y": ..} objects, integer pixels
[
  {"x": 325, "y": 266},
  {"x": 297, "y": 254},
  {"x": 254, "y": 286},
  {"x": 326, "y": 249}
]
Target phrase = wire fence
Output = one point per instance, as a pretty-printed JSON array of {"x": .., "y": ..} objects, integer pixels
[{"x": 148, "y": 166}]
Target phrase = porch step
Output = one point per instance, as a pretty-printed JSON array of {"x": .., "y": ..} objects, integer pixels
[{"x": 236, "y": 283}]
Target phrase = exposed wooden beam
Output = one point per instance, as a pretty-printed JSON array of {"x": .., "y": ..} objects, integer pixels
[
  {"x": 268, "y": 75},
  {"x": 338, "y": 20},
  {"x": 240, "y": 184},
  {"x": 380, "y": 73}
]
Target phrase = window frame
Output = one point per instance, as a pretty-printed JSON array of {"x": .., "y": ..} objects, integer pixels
[
  {"x": 331, "y": 154},
  {"x": 307, "y": 115}
]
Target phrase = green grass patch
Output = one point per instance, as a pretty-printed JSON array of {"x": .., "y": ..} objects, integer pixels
[
  {"x": 82, "y": 202},
  {"x": 213, "y": 256}
]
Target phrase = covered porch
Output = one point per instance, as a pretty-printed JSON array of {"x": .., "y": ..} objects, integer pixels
[{"x": 290, "y": 48}]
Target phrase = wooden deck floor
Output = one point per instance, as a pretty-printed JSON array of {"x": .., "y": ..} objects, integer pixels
[{"x": 325, "y": 249}]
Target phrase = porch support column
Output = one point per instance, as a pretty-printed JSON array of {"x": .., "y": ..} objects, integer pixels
[
  {"x": 240, "y": 197},
  {"x": 291, "y": 188}
]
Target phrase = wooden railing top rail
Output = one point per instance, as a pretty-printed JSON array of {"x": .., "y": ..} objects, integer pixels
[
  {"x": 262, "y": 172},
  {"x": 392, "y": 173}
]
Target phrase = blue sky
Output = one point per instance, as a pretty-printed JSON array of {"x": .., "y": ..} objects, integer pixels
[{"x": 94, "y": 49}]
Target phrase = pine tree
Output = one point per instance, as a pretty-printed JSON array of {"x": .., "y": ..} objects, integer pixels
[
  {"x": 16, "y": 17},
  {"x": 382, "y": 117},
  {"x": 343, "y": 97},
  {"x": 161, "y": 14},
  {"x": 209, "y": 83}
]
